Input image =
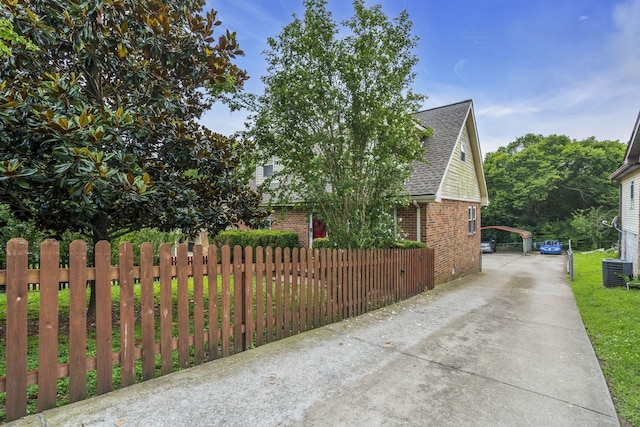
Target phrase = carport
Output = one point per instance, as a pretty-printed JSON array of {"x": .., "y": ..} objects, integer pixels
[{"x": 527, "y": 241}]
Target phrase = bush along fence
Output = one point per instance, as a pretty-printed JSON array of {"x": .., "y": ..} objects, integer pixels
[{"x": 153, "y": 319}]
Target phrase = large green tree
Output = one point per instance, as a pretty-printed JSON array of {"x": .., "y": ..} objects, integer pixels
[
  {"x": 98, "y": 127},
  {"x": 543, "y": 183},
  {"x": 336, "y": 114}
]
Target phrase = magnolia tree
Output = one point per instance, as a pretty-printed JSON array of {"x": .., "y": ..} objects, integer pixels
[
  {"x": 98, "y": 127},
  {"x": 336, "y": 114}
]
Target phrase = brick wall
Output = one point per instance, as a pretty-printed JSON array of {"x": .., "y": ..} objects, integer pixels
[
  {"x": 292, "y": 220},
  {"x": 457, "y": 253},
  {"x": 407, "y": 222},
  {"x": 443, "y": 227}
]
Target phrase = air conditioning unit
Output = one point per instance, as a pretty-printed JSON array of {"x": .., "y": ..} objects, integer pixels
[{"x": 613, "y": 270}]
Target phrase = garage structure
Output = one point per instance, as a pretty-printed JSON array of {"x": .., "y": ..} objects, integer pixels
[{"x": 527, "y": 240}]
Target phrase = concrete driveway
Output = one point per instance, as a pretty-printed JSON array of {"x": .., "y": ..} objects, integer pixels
[{"x": 505, "y": 347}]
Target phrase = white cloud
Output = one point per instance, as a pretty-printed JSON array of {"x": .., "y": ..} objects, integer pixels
[
  {"x": 627, "y": 38},
  {"x": 458, "y": 68},
  {"x": 506, "y": 110}
]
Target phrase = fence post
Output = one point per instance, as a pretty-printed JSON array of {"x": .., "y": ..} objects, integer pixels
[
  {"x": 104, "y": 334},
  {"x": 183, "y": 306},
  {"x": 238, "y": 297},
  {"x": 17, "y": 265},
  {"x": 127, "y": 318},
  {"x": 77, "y": 320},
  {"x": 48, "y": 331},
  {"x": 247, "y": 297}
]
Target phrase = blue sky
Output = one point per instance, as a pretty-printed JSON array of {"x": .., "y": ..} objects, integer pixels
[{"x": 569, "y": 67}]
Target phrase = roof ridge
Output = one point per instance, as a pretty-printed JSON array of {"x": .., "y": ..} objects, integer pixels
[{"x": 444, "y": 106}]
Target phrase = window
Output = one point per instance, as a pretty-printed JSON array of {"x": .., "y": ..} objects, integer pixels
[
  {"x": 473, "y": 219},
  {"x": 631, "y": 195},
  {"x": 267, "y": 170},
  {"x": 463, "y": 151}
]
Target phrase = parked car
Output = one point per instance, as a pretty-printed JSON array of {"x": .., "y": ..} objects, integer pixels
[
  {"x": 552, "y": 247},
  {"x": 487, "y": 244}
]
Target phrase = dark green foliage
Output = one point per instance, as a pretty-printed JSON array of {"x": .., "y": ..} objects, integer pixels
[
  {"x": 150, "y": 235},
  {"x": 408, "y": 244},
  {"x": 255, "y": 238},
  {"x": 98, "y": 127},
  {"x": 337, "y": 114},
  {"x": 555, "y": 187},
  {"x": 325, "y": 243}
]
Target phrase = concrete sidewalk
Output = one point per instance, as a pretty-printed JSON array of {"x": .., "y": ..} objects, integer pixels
[{"x": 505, "y": 347}]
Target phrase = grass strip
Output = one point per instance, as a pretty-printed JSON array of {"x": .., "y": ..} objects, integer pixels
[{"x": 611, "y": 317}]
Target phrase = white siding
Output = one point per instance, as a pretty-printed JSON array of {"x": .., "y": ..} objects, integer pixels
[
  {"x": 461, "y": 182},
  {"x": 629, "y": 249},
  {"x": 629, "y": 209},
  {"x": 259, "y": 169}
]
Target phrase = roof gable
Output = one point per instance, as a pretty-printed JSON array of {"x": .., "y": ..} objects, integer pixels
[
  {"x": 448, "y": 123},
  {"x": 632, "y": 156}
]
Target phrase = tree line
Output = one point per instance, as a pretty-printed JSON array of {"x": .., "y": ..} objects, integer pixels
[{"x": 555, "y": 187}]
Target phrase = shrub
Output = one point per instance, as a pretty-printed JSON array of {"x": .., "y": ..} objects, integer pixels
[
  {"x": 324, "y": 243},
  {"x": 408, "y": 244},
  {"x": 254, "y": 238}
]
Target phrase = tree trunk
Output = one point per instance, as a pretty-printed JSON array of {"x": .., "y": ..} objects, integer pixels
[{"x": 100, "y": 232}]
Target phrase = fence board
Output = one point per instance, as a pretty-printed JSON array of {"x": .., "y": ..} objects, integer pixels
[
  {"x": 147, "y": 311},
  {"x": 103, "y": 317},
  {"x": 48, "y": 330},
  {"x": 309, "y": 289},
  {"x": 212, "y": 271},
  {"x": 127, "y": 324},
  {"x": 278, "y": 297},
  {"x": 260, "y": 321},
  {"x": 198, "y": 305},
  {"x": 247, "y": 298},
  {"x": 166, "y": 310},
  {"x": 238, "y": 296},
  {"x": 17, "y": 265},
  {"x": 316, "y": 288},
  {"x": 183, "y": 306},
  {"x": 295, "y": 298},
  {"x": 302, "y": 277},
  {"x": 323, "y": 288},
  {"x": 226, "y": 300},
  {"x": 269, "y": 290},
  {"x": 287, "y": 281},
  {"x": 77, "y": 321}
]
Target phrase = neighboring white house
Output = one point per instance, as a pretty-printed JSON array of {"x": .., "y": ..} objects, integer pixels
[{"x": 628, "y": 175}]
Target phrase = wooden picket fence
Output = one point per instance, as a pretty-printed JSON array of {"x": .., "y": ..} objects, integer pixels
[{"x": 227, "y": 301}]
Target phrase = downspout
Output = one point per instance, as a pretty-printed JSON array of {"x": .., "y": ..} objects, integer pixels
[
  {"x": 395, "y": 221},
  {"x": 418, "y": 236}
]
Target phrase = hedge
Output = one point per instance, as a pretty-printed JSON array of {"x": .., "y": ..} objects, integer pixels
[
  {"x": 324, "y": 243},
  {"x": 255, "y": 238}
]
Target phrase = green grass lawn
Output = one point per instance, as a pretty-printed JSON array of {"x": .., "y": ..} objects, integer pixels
[
  {"x": 63, "y": 338},
  {"x": 612, "y": 319}
]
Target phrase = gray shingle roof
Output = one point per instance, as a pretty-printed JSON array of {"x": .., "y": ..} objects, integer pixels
[{"x": 447, "y": 122}]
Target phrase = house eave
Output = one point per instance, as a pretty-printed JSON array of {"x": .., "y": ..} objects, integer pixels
[{"x": 624, "y": 170}]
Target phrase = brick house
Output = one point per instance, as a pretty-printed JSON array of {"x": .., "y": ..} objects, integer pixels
[
  {"x": 447, "y": 192},
  {"x": 628, "y": 177}
]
